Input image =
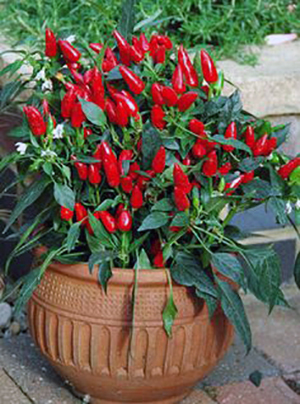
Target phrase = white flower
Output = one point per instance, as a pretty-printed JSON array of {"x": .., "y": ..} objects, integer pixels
[
  {"x": 21, "y": 147},
  {"x": 41, "y": 75},
  {"x": 47, "y": 85},
  {"x": 71, "y": 38},
  {"x": 58, "y": 132},
  {"x": 288, "y": 208},
  {"x": 48, "y": 153},
  {"x": 297, "y": 204}
]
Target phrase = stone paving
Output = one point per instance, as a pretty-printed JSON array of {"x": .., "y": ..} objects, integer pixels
[{"x": 26, "y": 378}]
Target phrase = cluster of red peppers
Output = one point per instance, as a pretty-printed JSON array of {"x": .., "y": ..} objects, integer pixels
[{"x": 121, "y": 102}]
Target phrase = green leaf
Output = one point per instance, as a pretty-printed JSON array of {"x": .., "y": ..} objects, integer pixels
[
  {"x": 229, "y": 266},
  {"x": 137, "y": 243},
  {"x": 12, "y": 67},
  {"x": 278, "y": 207},
  {"x": 256, "y": 378},
  {"x": 73, "y": 236},
  {"x": 101, "y": 236},
  {"x": 164, "y": 205},
  {"x": 237, "y": 144},
  {"x": 259, "y": 189},
  {"x": 281, "y": 133},
  {"x": 126, "y": 23},
  {"x": 154, "y": 221},
  {"x": 99, "y": 258},
  {"x": 143, "y": 261},
  {"x": 217, "y": 204},
  {"x": 93, "y": 113},
  {"x": 64, "y": 196},
  {"x": 169, "y": 314},
  {"x": 211, "y": 302},
  {"x": 104, "y": 274},
  {"x": 297, "y": 270},
  {"x": 30, "y": 195},
  {"x": 147, "y": 21},
  {"x": 106, "y": 204},
  {"x": 233, "y": 308},
  {"x": 9, "y": 159},
  {"x": 151, "y": 142},
  {"x": 29, "y": 284},
  {"x": 180, "y": 220},
  {"x": 187, "y": 271},
  {"x": 249, "y": 164},
  {"x": 114, "y": 74}
]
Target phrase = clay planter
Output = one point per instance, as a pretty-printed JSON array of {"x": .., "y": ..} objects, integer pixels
[{"x": 85, "y": 335}]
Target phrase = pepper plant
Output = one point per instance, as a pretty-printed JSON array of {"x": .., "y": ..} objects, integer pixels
[{"x": 132, "y": 158}]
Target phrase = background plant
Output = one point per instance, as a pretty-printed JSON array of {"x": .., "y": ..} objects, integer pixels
[{"x": 222, "y": 25}]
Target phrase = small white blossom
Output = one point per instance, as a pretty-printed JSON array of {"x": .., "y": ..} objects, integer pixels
[
  {"x": 41, "y": 75},
  {"x": 297, "y": 204},
  {"x": 47, "y": 85},
  {"x": 48, "y": 153},
  {"x": 58, "y": 132},
  {"x": 21, "y": 147},
  {"x": 288, "y": 208},
  {"x": 71, "y": 38},
  {"x": 86, "y": 399}
]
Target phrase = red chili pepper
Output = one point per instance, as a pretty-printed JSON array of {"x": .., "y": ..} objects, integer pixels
[
  {"x": 165, "y": 40},
  {"x": 81, "y": 213},
  {"x": 144, "y": 43},
  {"x": 77, "y": 116},
  {"x": 109, "y": 222},
  {"x": 135, "y": 84},
  {"x": 127, "y": 184},
  {"x": 157, "y": 117},
  {"x": 197, "y": 127},
  {"x": 112, "y": 172},
  {"x": 125, "y": 155},
  {"x": 210, "y": 166},
  {"x": 181, "y": 200},
  {"x": 136, "y": 199},
  {"x": 51, "y": 46},
  {"x": 70, "y": 53},
  {"x": 196, "y": 184},
  {"x": 82, "y": 170},
  {"x": 205, "y": 89},
  {"x": 35, "y": 120},
  {"x": 187, "y": 161},
  {"x": 87, "y": 132},
  {"x": 209, "y": 70},
  {"x": 159, "y": 161},
  {"x": 158, "y": 260},
  {"x": 122, "y": 115},
  {"x": 136, "y": 52},
  {"x": 250, "y": 136},
  {"x": 142, "y": 180},
  {"x": 66, "y": 214},
  {"x": 233, "y": 185},
  {"x": 247, "y": 177},
  {"x": 124, "y": 48},
  {"x": 97, "y": 82},
  {"x": 289, "y": 167},
  {"x": 225, "y": 168},
  {"x": 107, "y": 153},
  {"x": 260, "y": 146},
  {"x": 169, "y": 96},
  {"x": 199, "y": 150},
  {"x": 160, "y": 55},
  {"x": 94, "y": 174},
  {"x": 68, "y": 103},
  {"x": 156, "y": 91},
  {"x": 271, "y": 145},
  {"x": 124, "y": 221},
  {"x": 111, "y": 110},
  {"x": 186, "y": 100},
  {"x": 230, "y": 133},
  {"x": 187, "y": 67},
  {"x": 110, "y": 61},
  {"x": 45, "y": 106},
  {"x": 120, "y": 209},
  {"x": 178, "y": 80},
  {"x": 128, "y": 102},
  {"x": 96, "y": 47},
  {"x": 132, "y": 170},
  {"x": 181, "y": 180}
]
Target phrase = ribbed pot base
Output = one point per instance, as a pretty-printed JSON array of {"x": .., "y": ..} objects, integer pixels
[{"x": 172, "y": 400}]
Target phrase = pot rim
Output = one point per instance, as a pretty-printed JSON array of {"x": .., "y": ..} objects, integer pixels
[{"x": 122, "y": 276}]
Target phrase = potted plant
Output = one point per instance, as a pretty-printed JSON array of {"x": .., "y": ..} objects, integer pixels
[{"x": 134, "y": 165}]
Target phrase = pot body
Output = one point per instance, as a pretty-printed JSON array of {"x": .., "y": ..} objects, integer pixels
[{"x": 87, "y": 335}]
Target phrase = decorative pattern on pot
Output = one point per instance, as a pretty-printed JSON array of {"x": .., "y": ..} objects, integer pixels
[{"x": 88, "y": 337}]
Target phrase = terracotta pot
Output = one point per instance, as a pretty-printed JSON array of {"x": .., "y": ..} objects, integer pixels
[{"x": 85, "y": 334}]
